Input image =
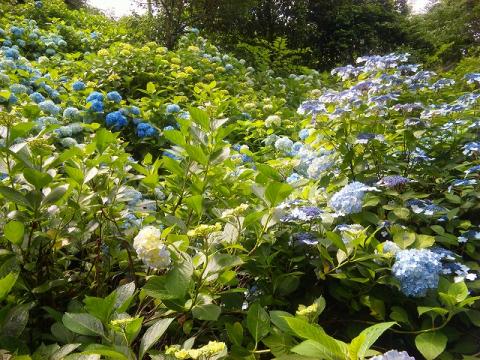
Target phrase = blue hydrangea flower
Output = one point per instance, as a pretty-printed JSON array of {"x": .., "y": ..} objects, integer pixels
[
  {"x": 469, "y": 235},
  {"x": 18, "y": 89},
  {"x": 173, "y": 108},
  {"x": 471, "y": 148},
  {"x": 145, "y": 130},
  {"x": 304, "y": 133},
  {"x": 116, "y": 120},
  {"x": 349, "y": 199},
  {"x": 114, "y": 96},
  {"x": 284, "y": 144},
  {"x": 11, "y": 53},
  {"x": 294, "y": 177},
  {"x": 50, "y": 52},
  {"x": 49, "y": 107},
  {"x": 37, "y": 97},
  {"x": 302, "y": 214},
  {"x": 78, "y": 86},
  {"x": 17, "y": 31},
  {"x": 38, "y": 4},
  {"x": 134, "y": 110},
  {"x": 96, "y": 106},
  {"x": 393, "y": 355},
  {"x": 305, "y": 238},
  {"x": 417, "y": 270},
  {"x": 426, "y": 207},
  {"x": 95, "y": 95},
  {"x": 169, "y": 127},
  {"x": 393, "y": 181},
  {"x": 229, "y": 67},
  {"x": 12, "y": 99},
  {"x": 71, "y": 113}
]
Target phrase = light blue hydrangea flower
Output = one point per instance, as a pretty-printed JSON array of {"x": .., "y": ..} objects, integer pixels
[
  {"x": 393, "y": 355},
  {"x": 417, "y": 270},
  {"x": 49, "y": 107},
  {"x": 349, "y": 200},
  {"x": 173, "y": 108},
  {"x": 71, "y": 113},
  {"x": 18, "y": 89},
  {"x": 37, "y": 97},
  {"x": 284, "y": 144}
]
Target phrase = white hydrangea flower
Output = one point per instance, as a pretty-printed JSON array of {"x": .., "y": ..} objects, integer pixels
[{"x": 151, "y": 249}]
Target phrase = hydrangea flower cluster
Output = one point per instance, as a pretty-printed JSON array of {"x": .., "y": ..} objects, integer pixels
[
  {"x": 303, "y": 214},
  {"x": 393, "y": 355},
  {"x": 417, "y": 270},
  {"x": 151, "y": 249},
  {"x": 349, "y": 200}
]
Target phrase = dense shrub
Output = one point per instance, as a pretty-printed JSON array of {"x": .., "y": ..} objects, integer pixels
[{"x": 182, "y": 205}]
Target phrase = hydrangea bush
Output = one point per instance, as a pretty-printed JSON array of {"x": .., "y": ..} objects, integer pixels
[{"x": 183, "y": 205}]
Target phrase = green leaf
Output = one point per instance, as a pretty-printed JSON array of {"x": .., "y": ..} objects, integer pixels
[
  {"x": 200, "y": 117},
  {"x": 195, "y": 203},
  {"x": 258, "y": 322},
  {"x": 209, "y": 312},
  {"x": 175, "y": 136},
  {"x": 318, "y": 350},
  {"x": 104, "y": 350},
  {"x": 336, "y": 240},
  {"x": 431, "y": 344},
  {"x": 404, "y": 238},
  {"x": 37, "y": 178},
  {"x": 14, "y": 196},
  {"x": 173, "y": 285},
  {"x": 14, "y": 231},
  {"x": 269, "y": 172},
  {"x": 83, "y": 324},
  {"x": 276, "y": 192},
  {"x": 6, "y": 284},
  {"x": 100, "y": 308},
  {"x": 235, "y": 333},
  {"x": 64, "y": 351},
  {"x": 197, "y": 154},
  {"x": 153, "y": 334},
  {"x": 459, "y": 291},
  {"x": 151, "y": 89},
  {"x": 362, "y": 343},
  {"x": 55, "y": 195}
]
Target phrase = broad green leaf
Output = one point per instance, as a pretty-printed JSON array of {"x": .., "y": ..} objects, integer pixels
[
  {"x": 83, "y": 324},
  {"x": 153, "y": 334},
  {"x": 107, "y": 351},
  {"x": 235, "y": 333},
  {"x": 431, "y": 344},
  {"x": 319, "y": 351},
  {"x": 276, "y": 192},
  {"x": 175, "y": 136},
  {"x": 195, "y": 203},
  {"x": 362, "y": 343},
  {"x": 37, "y": 178},
  {"x": 258, "y": 322},
  {"x": 14, "y": 231},
  {"x": 209, "y": 312},
  {"x": 173, "y": 285},
  {"x": 14, "y": 196},
  {"x": 55, "y": 195},
  {"x": 6, "y": 284},
  {"x": 99, "y": 307},
  {"x": 64, "y": 351},
  {"x": 200, "y": 117},
  {"x": 459, "y": 291}
]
